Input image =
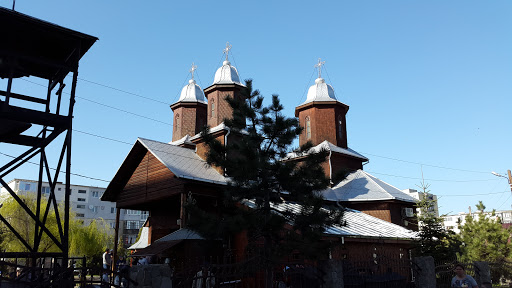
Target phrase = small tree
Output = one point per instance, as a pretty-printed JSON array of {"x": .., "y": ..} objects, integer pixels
[
  {"x": 25, "y": 225},
  {"x": 89, "y": 240},
  {"x": 85, "y": 240},
  {"x": 434, "y": 240},
  {"x": 257, "y": 173},
  {"x": 484, "y": 239}
]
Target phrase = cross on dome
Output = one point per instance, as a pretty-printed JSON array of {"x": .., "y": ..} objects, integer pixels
[
  {"x": 319, "y": 66},
  {"x": 192, "y": 69},
  {"x": 226, "y": 50}
]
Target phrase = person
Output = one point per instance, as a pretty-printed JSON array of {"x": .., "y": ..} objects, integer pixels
[
  {"x": 461, "y": 280},
  {"x": 204, "y": 278},
  {"x": 107, "y": 260},
  {"x": 122, "y": 271}
]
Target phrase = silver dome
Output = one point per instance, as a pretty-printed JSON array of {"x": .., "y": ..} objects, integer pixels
[
  {"x": 226, "y": 74},
  {"x": 192, "y": 93},
  {"x": 320, "y": 91}
]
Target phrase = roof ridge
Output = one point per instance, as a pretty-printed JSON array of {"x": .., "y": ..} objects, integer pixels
[{"x": 370, "y": 177}]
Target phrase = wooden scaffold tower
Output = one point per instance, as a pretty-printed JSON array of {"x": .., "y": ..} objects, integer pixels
[{"x": 30, "y": 47}]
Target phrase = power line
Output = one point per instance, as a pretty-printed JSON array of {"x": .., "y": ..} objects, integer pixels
[
  {"x": 105, "y": 105},
  {"x": 74, "y": 174},
  {"x": 124, "y": 91},
  {"x": 468, "y": 195},
  {"x": 429, "y": 165},
  {"x": 380, "y": 156},
  {"x": 438, "y": 180},
  {"x": 415, "y": 178}
]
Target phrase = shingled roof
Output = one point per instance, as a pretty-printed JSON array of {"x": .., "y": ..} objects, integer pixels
[
  {"x": 361, "y": 186},
  {"x": 358, "y": 224}
]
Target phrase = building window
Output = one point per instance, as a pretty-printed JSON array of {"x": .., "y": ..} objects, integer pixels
[
  {"x": 80, "y": 206},
  {"x": 95, "y": 208},
  {"x": 95, "y": 194},
  {"x": 81, "y": 199},
  {"x": 82, "y": 191},
  {"x": 340, "y": 127},
  {"x": 58, "y": 189},
  {"x": 112, "y": 209},
  {"x": 212, "y": 108},
  {"x": 80, "y": 215},
  {"x": 27, "y": 187},
  {"x": 132, "y": 212},
  {"x": 308, "y": 128},
  {"x": 177, "y": 122},
  {"x": 46, "y": 190},
  {"x": 132, "y": 225},
  {"x": 112, "y": 225}
]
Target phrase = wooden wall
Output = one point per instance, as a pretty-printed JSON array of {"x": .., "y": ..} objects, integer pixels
[{"x": 150, "y": 182}]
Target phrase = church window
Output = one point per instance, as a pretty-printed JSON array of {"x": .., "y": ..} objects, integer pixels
[
  {"x": 308, "y": 128},
  {"x": 177, "y": 122},
  {"x": 340, "y": 127},
  {"x": 212, "y": 114}
]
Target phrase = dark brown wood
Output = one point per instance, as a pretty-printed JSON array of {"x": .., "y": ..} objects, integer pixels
[
  {"x": 116, "y": 235},
  {"x": 24, "y": 97}
]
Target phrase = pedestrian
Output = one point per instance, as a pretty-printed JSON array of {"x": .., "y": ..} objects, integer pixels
[
  {"x": 107, "y": 262},
  {"x": 461, "y": 280},
  {"x": 204, "y": 278}
]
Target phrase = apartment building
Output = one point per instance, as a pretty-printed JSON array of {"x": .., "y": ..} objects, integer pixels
[
  {"x": 452, "y": 222},
  {"x": 85, "y": 203}
]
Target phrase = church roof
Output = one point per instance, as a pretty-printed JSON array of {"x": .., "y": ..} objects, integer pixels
[
  {"x": 181, "y": 234},
  {"x": 183, "y": 162},
  {"x": 320, "y": 91},
  {"x": 143, "y": 241},
  {"x": 358, "y": 224},
  {"x": 184, "y": 140},
  {"x": 361, "y": 186},
  {"x": 227, "y": 74},
  {"x": 330, "y": 147},
  {"x": 192, "y": 93}
]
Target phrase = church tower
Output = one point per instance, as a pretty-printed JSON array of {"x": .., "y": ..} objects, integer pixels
[
  {"x": 225, "y": 83},
  {"x": 190, "y": 110},
  {"x": 323, "y": 118},
  {"x": 322, "y": 115}
]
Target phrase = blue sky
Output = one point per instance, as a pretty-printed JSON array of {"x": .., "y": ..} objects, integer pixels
[{"x": 428, "y": 82}]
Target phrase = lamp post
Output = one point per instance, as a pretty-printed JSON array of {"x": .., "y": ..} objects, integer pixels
[{"x": 509, "y": 178}]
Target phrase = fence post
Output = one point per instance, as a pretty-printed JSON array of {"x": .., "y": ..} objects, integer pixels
[
  {"x": 426, "y": 274},
  {"x": 482, "y": 272}
]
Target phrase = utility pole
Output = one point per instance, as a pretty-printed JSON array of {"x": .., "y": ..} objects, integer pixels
[{"x": 509, "y": 178}]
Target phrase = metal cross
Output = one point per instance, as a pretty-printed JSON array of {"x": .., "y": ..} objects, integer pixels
[
  {"x": 192, "y": 69},
  {"x": 319, "y": 66},
  {"x": 226, "y": 50}
]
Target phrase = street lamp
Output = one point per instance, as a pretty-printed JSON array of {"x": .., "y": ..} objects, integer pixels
[{"x": 509, "y": 178}]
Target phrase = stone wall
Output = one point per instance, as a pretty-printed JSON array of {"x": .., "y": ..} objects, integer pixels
[{"x": 151, "y": 276}]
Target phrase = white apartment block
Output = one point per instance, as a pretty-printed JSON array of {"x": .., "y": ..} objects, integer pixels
[
  {"x": 452, "y": 222},
  {"x": 420, "y": 196},
  {"x": 86, "y": 204}
]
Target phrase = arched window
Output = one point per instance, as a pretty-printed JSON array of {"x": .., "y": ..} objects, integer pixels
[
  {"x": 340, "y": 127},
  {"x": 177, "y": 122},
  {"x": 212, "y": 108},
  {"x": 308, "y": 128}
]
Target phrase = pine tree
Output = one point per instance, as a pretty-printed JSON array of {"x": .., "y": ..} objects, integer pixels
[
  {"x": 484, "y": 239},
  {"x": 261, "y": 178},
  {"x": 434, "y": 240}
]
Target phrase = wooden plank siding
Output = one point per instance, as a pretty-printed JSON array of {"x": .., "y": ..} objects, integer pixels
[{"x": 151, "y": 181}]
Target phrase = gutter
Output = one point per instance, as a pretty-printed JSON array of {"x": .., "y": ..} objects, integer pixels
[{"x": 226, "y": 144}]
